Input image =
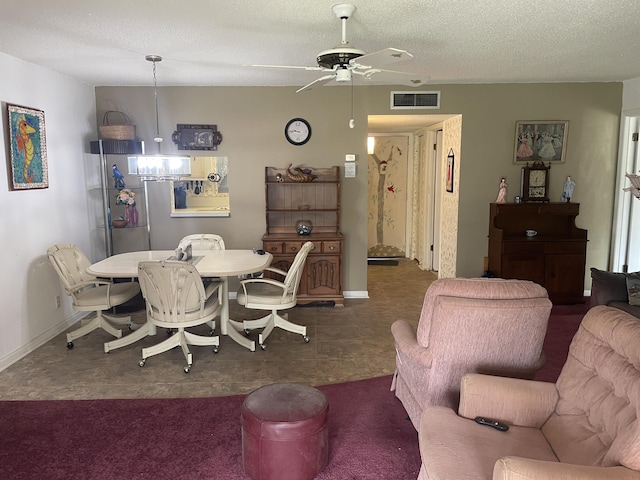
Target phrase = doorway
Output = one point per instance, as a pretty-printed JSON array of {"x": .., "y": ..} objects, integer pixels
[{"x": 423, "y": 192}]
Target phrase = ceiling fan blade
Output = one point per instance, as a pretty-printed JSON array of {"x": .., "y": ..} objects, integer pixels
[
  {"x": 381, "y": 58},
  {"x": 316, "y": 83},
  {"x": 315, "y": 69},
  {"x": 391, "y": 76}
]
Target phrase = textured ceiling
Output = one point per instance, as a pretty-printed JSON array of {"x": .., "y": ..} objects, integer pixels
[{"x": 209, "y": 42}]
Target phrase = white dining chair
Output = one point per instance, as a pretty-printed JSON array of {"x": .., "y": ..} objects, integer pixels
[
  {"x": 89, "y": 293},
  {"x": 202, "y": 241},
  {"x": 270, "y": 294},
  {"x": 176, "y": 298},
  {"x": 205, "y": 241}
]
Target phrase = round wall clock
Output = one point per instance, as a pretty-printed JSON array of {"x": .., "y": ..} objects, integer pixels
[{"x": 297, "y": 131}]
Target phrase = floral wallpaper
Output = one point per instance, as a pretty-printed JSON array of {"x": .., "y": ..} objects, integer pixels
[{"x": 452, "y": 133}]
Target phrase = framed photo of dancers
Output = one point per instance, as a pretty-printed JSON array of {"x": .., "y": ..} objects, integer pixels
[
  {"x": 28, "y": 148},
  {"x": 541, "y": 141}
]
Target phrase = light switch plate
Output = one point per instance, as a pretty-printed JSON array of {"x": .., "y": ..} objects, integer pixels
[{"x": 349, "y": 170}]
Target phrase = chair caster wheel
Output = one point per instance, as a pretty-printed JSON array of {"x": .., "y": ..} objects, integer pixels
[
  {"x": 306, "y": 339},
  {"x": 170, "y": 332},
  {"x": 263, "y": 347},
  {"x": 130, "y": 327},
  {"x": 211, "y": 333},
  {"x": 142, "y": 362},
  {"x": 186, "y": 369},
  {"x": 216, "y": 349},
  {"x": 246, "y": 332},
  {"x": 69, "y": 345}
]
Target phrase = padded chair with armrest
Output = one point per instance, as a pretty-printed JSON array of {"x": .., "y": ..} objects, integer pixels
[
  {"x": 274, "y": 295},
  {"x": 176, "y": 298},
  {"x": 205, "y": 241},
  {"x": 480, "y": 325},
  {"x": 90, "y": 294},
  {"x": 585, "y": 426},
  {"x": 202, "y": 241}
]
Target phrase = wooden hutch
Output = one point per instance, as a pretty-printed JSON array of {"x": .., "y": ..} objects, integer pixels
[
  {"x": 554, "y": 258},
  {"x": 318, "y": 201}
]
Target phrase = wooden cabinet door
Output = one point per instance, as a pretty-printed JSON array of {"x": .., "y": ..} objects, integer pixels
[
  {"x": 322, "y": 275},
  {"x": 524, "y": 267},
  {"x": 564, "y": 277}
]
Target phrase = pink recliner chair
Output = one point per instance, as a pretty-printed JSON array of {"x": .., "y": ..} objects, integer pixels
[
  {"x": 483, "y": 325},
  {"x": 585, "y": 426}
]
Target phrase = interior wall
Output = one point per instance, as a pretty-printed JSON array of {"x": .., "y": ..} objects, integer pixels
[
  {"x": 631, "y": 94},
  {"x": 252, "y": 120},
  {"x": 33, "y": 220},
  {"x": 489, "y": 114}
]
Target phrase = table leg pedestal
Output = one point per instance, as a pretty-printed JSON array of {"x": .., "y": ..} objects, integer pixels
[{"x": 230, "y": 327}]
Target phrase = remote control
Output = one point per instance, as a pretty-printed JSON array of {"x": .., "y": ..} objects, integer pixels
[{"x": 492, "y": 423}]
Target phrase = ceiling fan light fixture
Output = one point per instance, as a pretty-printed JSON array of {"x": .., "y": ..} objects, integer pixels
[
  {"x": 343, "y": 75},
  {"x": 343, "y": 61},
  {"x": 340, "y": 56}
]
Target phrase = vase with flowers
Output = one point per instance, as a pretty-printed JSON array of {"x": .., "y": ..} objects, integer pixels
[{"x": 127, "y": 198}]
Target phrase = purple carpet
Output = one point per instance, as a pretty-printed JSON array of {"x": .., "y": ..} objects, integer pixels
[
  {"x": 200, "y": 438},
  {"x": 194, "y": 438},
  {"x": 563, "y": 325}
]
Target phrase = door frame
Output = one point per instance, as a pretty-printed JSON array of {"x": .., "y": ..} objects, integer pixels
[{"x": 625, "y": 237}]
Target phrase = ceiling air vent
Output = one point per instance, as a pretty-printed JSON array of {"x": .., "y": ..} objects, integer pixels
[{"x": 413, "y": 100}]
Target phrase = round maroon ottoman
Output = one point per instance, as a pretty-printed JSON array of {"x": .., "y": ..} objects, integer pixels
[{"x": 284, "y": 432}]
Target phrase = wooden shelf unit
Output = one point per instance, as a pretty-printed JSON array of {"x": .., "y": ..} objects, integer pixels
[
  {"x": 288, "y": 202},
  {"x": 555, "y": 258}
]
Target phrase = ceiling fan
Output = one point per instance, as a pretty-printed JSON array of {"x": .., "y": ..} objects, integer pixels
[{"x": 343, "y": 61}]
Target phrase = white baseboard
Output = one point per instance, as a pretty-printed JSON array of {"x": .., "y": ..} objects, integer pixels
[
  {"x": 40, "y": 340},
  {"x": 356, "y": 294}
]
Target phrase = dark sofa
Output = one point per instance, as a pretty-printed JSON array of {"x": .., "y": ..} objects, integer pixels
[{"x": 610, "y": 288}]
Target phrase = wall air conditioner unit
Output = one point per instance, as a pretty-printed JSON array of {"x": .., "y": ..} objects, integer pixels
[{"x": 415, "y": 100}]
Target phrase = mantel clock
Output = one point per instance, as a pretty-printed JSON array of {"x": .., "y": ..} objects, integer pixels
[{"x": 535, "y": 182}]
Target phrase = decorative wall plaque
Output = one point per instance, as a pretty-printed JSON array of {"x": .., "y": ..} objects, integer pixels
[{"x": 196, "y": 137}]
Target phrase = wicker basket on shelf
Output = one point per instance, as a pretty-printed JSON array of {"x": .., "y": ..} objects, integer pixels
[{"x": 114, "y": 128}]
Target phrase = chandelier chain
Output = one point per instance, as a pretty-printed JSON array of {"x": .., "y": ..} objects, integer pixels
[{"x": 154, "y": 59}]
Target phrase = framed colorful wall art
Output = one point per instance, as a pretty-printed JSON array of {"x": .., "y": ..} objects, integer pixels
[
  {"x": 541, "y": 141},
  {"x": 28, "y": 148}
]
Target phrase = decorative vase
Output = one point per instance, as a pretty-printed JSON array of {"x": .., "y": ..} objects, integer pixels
[
  {"x": 127, "y": 214},
  {"x": 134, "y": 215},
  {"x": 304, "y": 227}
]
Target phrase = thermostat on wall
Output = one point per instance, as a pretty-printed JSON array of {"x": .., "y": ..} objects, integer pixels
[
  {"x": 349, "y": 170},
  {"x": 350, "y": 157}
]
